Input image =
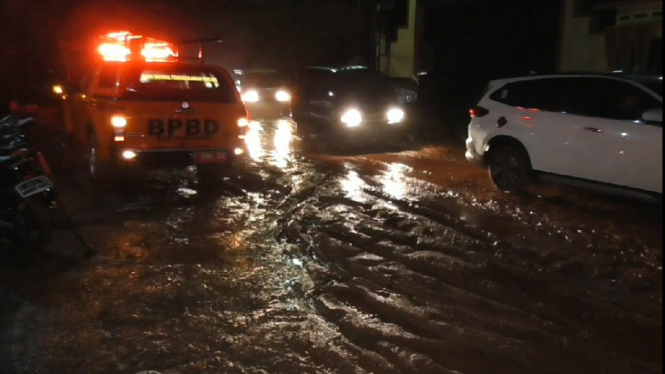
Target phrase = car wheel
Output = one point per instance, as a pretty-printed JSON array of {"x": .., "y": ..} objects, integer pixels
[{"x": 509, "y": 168}]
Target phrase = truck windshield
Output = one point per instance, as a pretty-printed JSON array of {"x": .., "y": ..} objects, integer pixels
[{"x": 177, "y": 83}]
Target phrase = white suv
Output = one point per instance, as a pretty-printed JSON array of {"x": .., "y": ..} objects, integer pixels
[{"x": 602, "y": 130}]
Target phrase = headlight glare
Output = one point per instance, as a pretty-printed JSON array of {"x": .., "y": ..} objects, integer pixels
[{"x": 352, "y": 118}]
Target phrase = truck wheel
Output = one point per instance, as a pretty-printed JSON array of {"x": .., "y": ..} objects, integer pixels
[
  {"x": 100, "y": 173},
  {"x": 509, "y": 168},
  {"x": 70, "y": 155},
  {"x": 211, "y": 174}
]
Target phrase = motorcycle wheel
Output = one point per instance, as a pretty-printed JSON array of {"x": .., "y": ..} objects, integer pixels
[{"x": 32, "y": 231}]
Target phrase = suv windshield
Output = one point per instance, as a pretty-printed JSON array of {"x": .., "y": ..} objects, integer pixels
[
  {"x": 175, "y": 83},
  {"x": 365, "y": 82}
]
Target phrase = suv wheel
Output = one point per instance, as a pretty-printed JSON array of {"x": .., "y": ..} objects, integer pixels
[{"x": 509, "y": 168}]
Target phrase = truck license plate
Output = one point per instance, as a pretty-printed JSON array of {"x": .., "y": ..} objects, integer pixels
[{"x": 211, "y": 157}]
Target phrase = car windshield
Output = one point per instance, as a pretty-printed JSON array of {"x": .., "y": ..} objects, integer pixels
[
  {"x": 167, "y": 83},
  {"x": 264, "y": 80}
]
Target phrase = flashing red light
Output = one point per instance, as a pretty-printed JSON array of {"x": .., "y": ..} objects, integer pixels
[
  {"x": 115, "y": 48},
  {"x": 157, "y": 51},
  {"x": 114, "y": 52}
]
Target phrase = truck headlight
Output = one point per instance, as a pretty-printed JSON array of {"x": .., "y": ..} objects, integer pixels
[
  {"x": 129, "y": 155},
  {"x": 282, "y": 96},
  {"x": 395, "y": 115},
  {"x": 251, "y": 97},
  {"x": 119, "y": 122},
  {"x": 352, "y": 118}
]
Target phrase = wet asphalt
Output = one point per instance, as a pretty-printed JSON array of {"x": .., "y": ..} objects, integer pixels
[{"x": 397, "y": 259}]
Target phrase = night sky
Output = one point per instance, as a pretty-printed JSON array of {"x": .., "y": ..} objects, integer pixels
[
  {"x": 472, "y": 42},
  {"x": 475, "y": 39}
]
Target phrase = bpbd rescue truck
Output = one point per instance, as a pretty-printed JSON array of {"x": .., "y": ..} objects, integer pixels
[{"x": 140, "y": 103}]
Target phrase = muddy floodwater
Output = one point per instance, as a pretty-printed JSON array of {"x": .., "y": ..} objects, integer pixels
[{"x": 393, "y": 260}]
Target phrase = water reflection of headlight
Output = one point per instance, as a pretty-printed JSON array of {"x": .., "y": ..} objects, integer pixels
[
  {"x": 253, "y": 141},
  {"x": 282, "y": 96},
  {"x": 353, "y": 186},
  {"x": 394, "y": 180},
  {"x": 251, "y": 97},
  {"x": 352, "y": 118},
  {"x": 282, "y": 143},
  {"x": 395, "y": 115}
]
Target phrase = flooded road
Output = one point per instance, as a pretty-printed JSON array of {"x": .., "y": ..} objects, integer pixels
[{"x": 401, "y": 262}]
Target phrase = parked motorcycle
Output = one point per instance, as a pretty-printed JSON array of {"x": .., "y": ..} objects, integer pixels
[
  {"x": 27, "y": 194},
  {"x": 24, "y": 225}
]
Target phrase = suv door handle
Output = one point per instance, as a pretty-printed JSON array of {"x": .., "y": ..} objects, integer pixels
[{"x": 593, "y": 129}]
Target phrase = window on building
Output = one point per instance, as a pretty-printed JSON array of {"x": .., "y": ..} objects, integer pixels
[
  {"x": 601, "y": 20},
  {"x": 584, "y": 8},
  {"x": 656, "y": 57}
]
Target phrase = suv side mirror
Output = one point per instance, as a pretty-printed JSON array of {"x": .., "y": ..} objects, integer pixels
[{"x": 653, "y": 117}]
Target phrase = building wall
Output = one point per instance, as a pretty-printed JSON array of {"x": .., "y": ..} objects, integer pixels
[
  {"x": 626, "y": 45},
  {"x": 402, "y": 55},
  {"x": 579, "y": 50}
]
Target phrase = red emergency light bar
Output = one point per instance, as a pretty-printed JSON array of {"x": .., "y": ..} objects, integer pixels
[{"x": 123, "y": 46}]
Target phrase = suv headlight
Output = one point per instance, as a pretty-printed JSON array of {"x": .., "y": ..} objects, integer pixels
[
  {"x": 282, "y": 96},
  {"x": 352, "y": 118},
  {"x": 395, "y": 115},
  {"x": 250, "y": 97}
]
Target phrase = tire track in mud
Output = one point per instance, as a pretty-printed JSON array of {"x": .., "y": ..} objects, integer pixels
[
  {"x": 212, "y": 292},
  {"x": 482, "y": 289}
]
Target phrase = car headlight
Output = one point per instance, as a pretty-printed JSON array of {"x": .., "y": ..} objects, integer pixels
[
  {"x": 251, "y": 97},
  {"x": 352, "y": 118},
  {"x": 282, "y": 96},
  {"x": 395, "y": 115}
]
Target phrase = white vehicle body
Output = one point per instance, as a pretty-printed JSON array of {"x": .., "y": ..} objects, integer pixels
[{"x": 580, "y": 133}]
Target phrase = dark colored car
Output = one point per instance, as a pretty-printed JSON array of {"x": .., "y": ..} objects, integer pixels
[
  {"x": 265, "y": 92},
  {"x": 352, "y": 103}
]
